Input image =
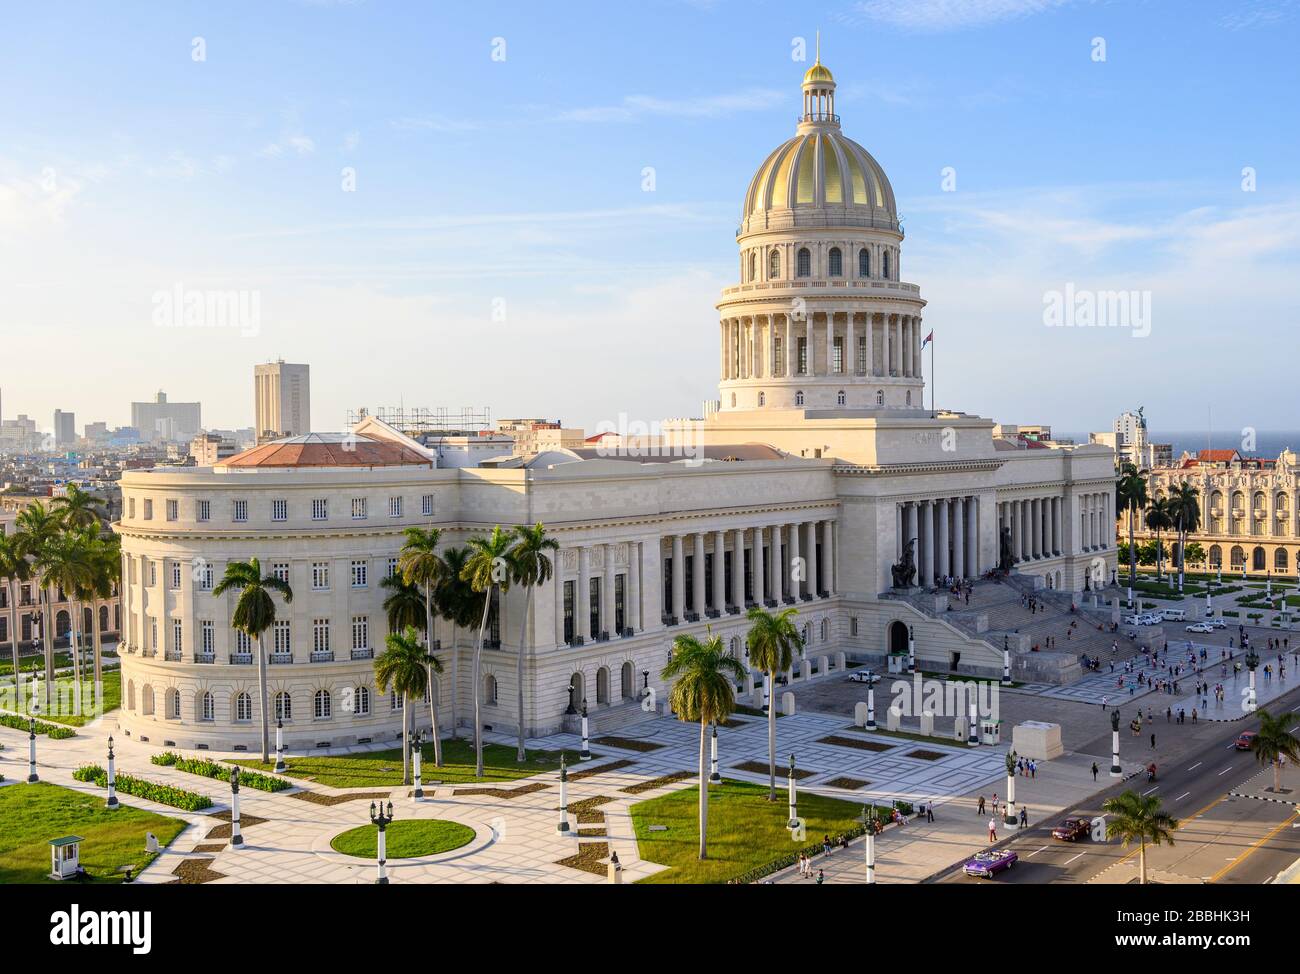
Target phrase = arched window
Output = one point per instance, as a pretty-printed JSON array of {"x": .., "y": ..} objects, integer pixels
[
  {"x": 798, "y": 398},
  {"x": 207, "y": 706},
  {"x": 774, "y": 264},
  {"x": 1216, "y": 556},
  {"x": 173, "y": 704},
  {"x": 490, "y": 688},
  {"x": 836, "y": 262},
  {"x": 762, "y": 399},
  {"x": 1279, "y": 560},
  {"x": 909, "y": 397},
  {"x": 146, "y": 700},
  {"x": 283, "y": 706},
  {"x": 880, "y": 397},
  {"x": 839, "y": 398},
  {"x": 864, "y": 263},
  {"x": 885, "y": 258},
  {"x": 362, "y": 701},
  {"x": 804, "y": 267},
  {"x": 826, "y": 630},
  {"x": 753, "y": 266},
  {"x": 1258, "y": 560},
  {"x": 322, "y": 705},
  {"x": 243, "y": 707},
  {"x": 1237, "y": 558}
]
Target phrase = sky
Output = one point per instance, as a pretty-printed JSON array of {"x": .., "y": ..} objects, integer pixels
[{"x": 532, "y": 207}]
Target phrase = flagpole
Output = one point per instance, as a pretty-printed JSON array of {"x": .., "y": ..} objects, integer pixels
[{"x": 932, "y": 412}]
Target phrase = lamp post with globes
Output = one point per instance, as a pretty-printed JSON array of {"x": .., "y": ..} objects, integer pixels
[
  {"x": 1252, "y": 661},
  {"x": 279, "y": 744},
  {"x": 585, "y": 753},
  {"x": 236, "y": 837},
  {"x": 416, "y": 742},
  {"x": 112, "y": 802},
  {"x": 382, "y": 820},
  {"x": 31, "y": 746}
]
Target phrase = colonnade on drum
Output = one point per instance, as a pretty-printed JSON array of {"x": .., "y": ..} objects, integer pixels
[
  {"x": 767, "y": 346},
  {"x": 946, "y": 531}
]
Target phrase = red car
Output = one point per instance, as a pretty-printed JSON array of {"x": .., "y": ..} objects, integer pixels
[
  {"x": 1243, "y": 740},
  {"x": 1072, "y": 830}
]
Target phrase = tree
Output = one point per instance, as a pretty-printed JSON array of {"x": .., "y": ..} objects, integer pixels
[
  {"x": 773, "y": 640},
  {"x": 14, "y": 568},
  {"x": 1185, "y": 509},
  {"x": 488, "y": 571},
  {"x": 403, "y": 605},
  {"x": 459, "y": 604},
  {"x": 420, "y": 564},
  {"x": 1131, "y": 494},
  {"x": 1274, "y": 741},
  {"x": 64, "y": 562},
  {"x": 78, "y": 508},
  {"x": 404, "y": 665},
  {"x": 38, "y": 528},
  {"x": 704, "y": 690},
  {"x": 1194, "y": 553},
  {"x": 1159, "y": 518},
  {"x": 531, "y": 565},
  {"x": 254, "y": 614},
  {"x": 1138, "y": 818}
]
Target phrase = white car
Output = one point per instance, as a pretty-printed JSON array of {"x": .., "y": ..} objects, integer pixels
[
  {"x": 860, "y": 676},
  {"x": 1132, "y": 620},
  {"x": 1200, "y": 627},
  {"x": 1216, "y": 623}
]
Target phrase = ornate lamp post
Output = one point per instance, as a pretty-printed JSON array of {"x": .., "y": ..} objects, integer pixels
[
  {"x": 870, "y": 844},
  {"x": 31, "y": 746},
  {"x": 563, "y": 827},
  {"x": 1006, "y": 667},
  {"x": 571, "y": 709},
  {"x": 911, "y": 649},
  {"x": 418, "y": 793},
  {"x": 382, "y": 820},
  {"x": 585, "y": 753},
  {"x": 1115, "y": 770},
  {"x": 112, "y": 802},
  {"x": 279, "y": 744},
  {"x": 1252, "y": 661},
  {"x": 793, "y": 792},
  {"x": 871, "y": 699},
  {"x": 1009, "y": 820},
  {"x": 973, "y": 732},
  {"x": 236, "y": 837},
  {"x": 714, "y": 777}
]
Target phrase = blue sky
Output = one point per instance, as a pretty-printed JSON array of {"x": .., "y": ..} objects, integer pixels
[{"x": 499, "y": 247}]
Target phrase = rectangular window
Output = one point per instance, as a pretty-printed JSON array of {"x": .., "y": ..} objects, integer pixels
[
  {"x": 320, "y": 635},
  {"x": 359, "y": 571},
  {"x": 838, "y": 351},
  {"x": 320, "y": 509},
  {"x": 281, "y": 570},
  {"x": 279, "y": 510},
  {"x": 426, "y": 505},
  {"x": 620, "y": 616},
  {"x": 241, "y": 510},
  {"x": 172, "y": 510},
  {"x": 320, "y": 575},
  {"x": 203, "y": 511},
  {"x": 778, "y": 349},
  {"x": 593, "y": 604},
  {"x": 148, "y": 510},
  {"x": 394, "y": 507},
  {"x": 243, "y": 642},
  {"x": 392, "y": 568},
  {"x": 690, "y": 584},
  {"x": 176, "y": 575},
  {"x": 131, "y": 506},
  {"x": 358, "y": 508},
  {"x": 282, "y": 644},
  {"x": 853, "y": 625},
  {"x": 207, "y": 636},
  {"x": 802, "y": 351},
  {"x": 568, "y": 612},
  {"x": 708, "y": 581},
  {"x": 153, "y": 574},
  {"x": 860, "y": 365},
  {"x": 153, "y": 634},
  {"x": 668, "y": 586},
  {"x": 178, "y": 640},
  {"x": 360, "y": 632},
  {"x": 494, "y": 618}
]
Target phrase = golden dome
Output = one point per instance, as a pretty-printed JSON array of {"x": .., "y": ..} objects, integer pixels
[
  {"x": 818, "y": 73},
  {"x": 822, "y": 169}
]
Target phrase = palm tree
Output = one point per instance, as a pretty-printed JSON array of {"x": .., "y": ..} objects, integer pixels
[
  {"x": 1131, "y": 493},
  {"x": 14, "y": 568},
  {"x": 403, "y": 606},
  {"x": 1138, "y": 818},
  {"x": 1185, "y": 506},
  {"x": 1275, "y": 741},
  {"x": 64, "y": 562},
  {"x": 254, "y": 615},
  {"x": 420, "y": 564},
  {"x": 107, "y": 554},
  {"x": 704, "y": 690},
  {"x": 79, "y": 508},
  {"x": 405, "y": 665},
  {"x": 458, "y": 603},
  {"x": 488, "y": 571},
  {"x": 532, "y": 567},
  {"x": 38, "y": 528},
  {"x": 1159, "y": 517},
  {"x": 773, "y": 640}
]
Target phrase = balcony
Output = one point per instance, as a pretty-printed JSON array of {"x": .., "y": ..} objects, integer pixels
[
  {"x": 363, "y": 653},
  {"x": 172, "y": 655},
  {"x": 491, "y": 644},
  {"x": 241, "y": 659},
  {"x": 322, "y": 656},
  {"x": 205, "y": 657},
  {"x": 279, "y": 659}
]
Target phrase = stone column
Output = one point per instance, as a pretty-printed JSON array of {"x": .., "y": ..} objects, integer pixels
[
  {"x": 789, "y": 350},
  {"x": 885, "y": 356},
  {"x": 1056, "y": 525},
  {"x": 679, "y": 578},
  {"x": 910, "y": 529},
  {"x": 759, "y": 567},
  {"x": 634, "y": 614},
  {"x": 719, "y": 571},
  {"x": 778, "y": 566},
  {"x": 796, "y": 585},
  {"x": 973, "y": 539},
  {"x": 926, "y": 511},
  {"x": 697, "y": 574},
  {"x": 1013, "y": 508},
  {"x": 828, "y": 542},
  {"x": 1036, "y": 524},
  {"x": 812, "y": 558},
  {"x": 959, "y": 537},
  {"x": 944, "y": 567},
  {"x": 869, "y": 325},
  {"x": 557, "y": 579},
  {"x": 829, "y": 317},
  {"x": 583, "y": 627},
  {"x": 738, "y": 568},
  {"x": 850, "y": 346},
  {"x": 607, "y": 592}
]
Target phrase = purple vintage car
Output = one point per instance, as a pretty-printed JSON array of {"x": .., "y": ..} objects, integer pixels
[{"x": 987, "y": 864}]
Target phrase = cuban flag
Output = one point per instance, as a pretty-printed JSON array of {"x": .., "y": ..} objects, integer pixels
[{"x": 928, "y": 339}]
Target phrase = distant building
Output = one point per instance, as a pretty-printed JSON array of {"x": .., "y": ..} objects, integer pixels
[
  {"x": 19, "y": 435},
  {"x": 97, "y": 433},
  {"x": 1162, "y": 454},
  {"x": 281, "y": 400},
  {"x": 165, "y": 421},
  {"x": 539, "y": 435},
  {"x": 65, "y": 429},
  {"x": 209, "y": 449}
]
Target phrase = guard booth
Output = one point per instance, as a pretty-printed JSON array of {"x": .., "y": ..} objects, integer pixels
[
  {"x": 65, "y": 857},
  {"x": 897, "y": 662},
  {"x": 990, "y": 730}
]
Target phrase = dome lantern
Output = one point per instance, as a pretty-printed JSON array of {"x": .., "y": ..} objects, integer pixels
[{"x": 819, "y": 93}]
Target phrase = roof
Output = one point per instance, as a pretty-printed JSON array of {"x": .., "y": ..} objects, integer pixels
[
  {"x": 66, "y": 840},
  {"x": 328, "y": 450},
  {"x": 1216, "y": 456}
]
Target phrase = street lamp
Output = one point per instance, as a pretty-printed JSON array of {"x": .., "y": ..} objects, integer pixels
[
  {"x": 714, "y": 777},
  {"x": 585, "y": 753},
  {"x": 1252, "y": 661},
  {"x": 279, "y": 744},
  {"x": 236, "y": 837},
  {"x": 871, "y": 699},
  {"x": 418, "y": 793},
  {"x": 870, "y": 851},
  {"x": 1115, "y": 770},
  {"x": 911, "y": 649},
  {"x": 563, "y": 827},
  {"x": 31, "y": 746},
  {"x": 1006, "y": 667},
  {"x": 382, "y": 820},
  {"x": 112, "y": 802},
  {"x": 793, "y": 792},
  {"x": 1009, "y": 820}
]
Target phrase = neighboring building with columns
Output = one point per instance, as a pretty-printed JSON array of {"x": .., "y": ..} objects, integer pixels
[{"x": 820, "y": 466}]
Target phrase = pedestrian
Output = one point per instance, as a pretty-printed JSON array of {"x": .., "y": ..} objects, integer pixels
[
  {"x": 1094, "y": 772},
  {"x": 980, "y": 811},
  {"x": 1153, "y": 741},
  {"x": 929, "y": 812},
  {"x": 1193, "y": 715},
  {"x": 1024, "y": 816},
  {"x": 993, "y": 830},
  {"x": 821, "y": 877},
  {"x": 1033, "y": 769}
]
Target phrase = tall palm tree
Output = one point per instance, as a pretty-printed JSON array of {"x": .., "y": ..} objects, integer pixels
[
  {"x": 86, "y": 541},
  {"x": 403, "y": 605},
  {"x": 459, "y": 604},
  {"x": 38, "y": 528},
  {"x": 107, "y": 554},
  {"x": 1185, "y": 506},
  {"x": 1159, "y": 517},
  {"x": 1131, "y": 494},
  {"x": 1138, "y": 818},
  {"x": 79, "y": 508},
  {"x": 488, "y": 571},
  {"x": 64, "y": 562},
  {"x": 704, "y": 690},
  {"x": 254, "y": 614},
  {"x": 14, "y": 568},
  {"x": 773, "y": 640},
  {"x": 1275, "y": 741},
  {"x": 532, "y": 567},
  {"x": 404, "y": 665},
  {"x": 420, "y": 564}
]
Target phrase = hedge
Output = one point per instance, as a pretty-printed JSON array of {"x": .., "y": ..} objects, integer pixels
[
  {"x": 879, "y": 813},
  {"x": 186, "y": 801},
  {"x": 55, "y": 732},
  {"x": 215, "y": 769}
]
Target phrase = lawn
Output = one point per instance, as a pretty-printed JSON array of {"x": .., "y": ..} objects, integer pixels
[
  {"x": 405, "y": 839},
  {"x": 372, "y": 769},
  {"x": 26, "y": 661},
  {"x": 34, "y": 814},
  {"x": 745, "y": 830},
  {"x": 64, "y": 699}
]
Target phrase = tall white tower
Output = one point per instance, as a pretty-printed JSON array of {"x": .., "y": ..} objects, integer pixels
[
  {"x": 821, "y": 318},
  {"x": 281, "y": 400}
]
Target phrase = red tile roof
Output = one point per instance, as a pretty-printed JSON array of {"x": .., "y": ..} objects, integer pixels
[{"x": 328, "y": 450}]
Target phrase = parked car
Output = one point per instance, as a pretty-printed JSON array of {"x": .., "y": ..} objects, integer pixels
[
  {"x": 1072, "y": 830},
  {"x": 1242, "y": 743},
  {"x": 1132, "y": 620},
  {"x": 1173, "y": 615},
  {"x": 1217, "y": 623},
  {"x": 1200, "y": 627},
  {"x": 860, "y": 676},
  {"x": 985, "y": 865}
]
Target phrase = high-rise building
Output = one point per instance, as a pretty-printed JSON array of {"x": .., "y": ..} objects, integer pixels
[
  {"x": 162, "y": 420},
  {"x": 65, "y": 429},
  {"x": 281, "y": 400}
]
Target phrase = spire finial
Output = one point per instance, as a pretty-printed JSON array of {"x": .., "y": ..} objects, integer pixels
[{"x": 819, "y": 48}]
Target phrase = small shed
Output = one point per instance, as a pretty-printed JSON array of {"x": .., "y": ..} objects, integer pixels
[{"x": 65, "y": 856}]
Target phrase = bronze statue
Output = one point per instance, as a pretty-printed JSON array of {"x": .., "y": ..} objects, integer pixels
[{"x": 905, "y": 570}]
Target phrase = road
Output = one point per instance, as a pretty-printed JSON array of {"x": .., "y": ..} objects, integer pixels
[{"x": 1222, "y": 839}]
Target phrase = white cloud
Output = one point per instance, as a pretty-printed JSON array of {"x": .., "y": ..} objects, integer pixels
[
  {"x": 704, "y": 106},
  {"x": 941, "y": 15}
]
